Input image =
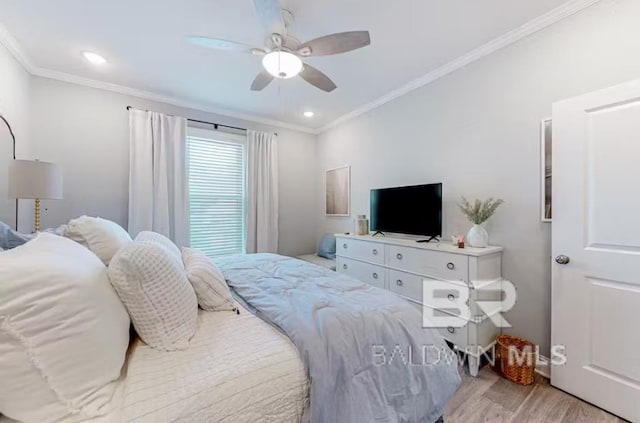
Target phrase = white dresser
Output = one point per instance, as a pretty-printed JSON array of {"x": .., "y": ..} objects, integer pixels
[{"x": 401, "y": 266}]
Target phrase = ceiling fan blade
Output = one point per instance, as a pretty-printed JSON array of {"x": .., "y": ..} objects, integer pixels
[
  {"x": 220, "y": 44},
  {"x": 270, "y": 14},
  {"x": 318, "y": 79},
  {"x": 263, "y": 79},
  {"x": 341, "y": 42}
]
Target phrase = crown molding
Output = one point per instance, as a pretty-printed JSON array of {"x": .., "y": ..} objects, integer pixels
[
  {"x": 511, "y": 37},
  {"x": 570, "y": 8},
  {"x": 11, "y": 44},
  {"x": 16, "y": 50},
  {"x": 174, "y": 101}
]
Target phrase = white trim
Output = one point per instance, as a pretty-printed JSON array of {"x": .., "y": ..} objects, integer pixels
[
  {"x": 543, "y": 168},
  {"x": 11, "y": 44},
  {"x": 160, "y": 98},
  {"x": 543, "y": 366},
  {"x": 531, "y": 27},
  {"x": 16, "y": 50},
  {"x": 535, "y": 25},
  {"x": 212, "y": 134}
]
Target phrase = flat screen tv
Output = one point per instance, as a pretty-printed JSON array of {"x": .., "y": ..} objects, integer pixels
[{"x": 413, "y": 210}]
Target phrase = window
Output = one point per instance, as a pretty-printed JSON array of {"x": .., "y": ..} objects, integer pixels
[{"x": 217, "y": 191}]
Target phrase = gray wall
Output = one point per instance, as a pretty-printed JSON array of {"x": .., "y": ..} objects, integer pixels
[
  {"x": 86, "y": 130},
  {"x": 14, "y": 106},
  {"x": 477, "y": 131}
]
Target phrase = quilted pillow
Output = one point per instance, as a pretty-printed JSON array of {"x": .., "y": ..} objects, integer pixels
[
  {"x": 159, "y": 239},
  {"x": 208, "y": 282},
  {"x": 154, "y": 288},
  {"x": 63, "y": 333},
  {"x": 101, "y": 236}
]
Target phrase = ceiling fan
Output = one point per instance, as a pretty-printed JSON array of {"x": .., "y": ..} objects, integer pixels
[{"x": 283, "y": 53}]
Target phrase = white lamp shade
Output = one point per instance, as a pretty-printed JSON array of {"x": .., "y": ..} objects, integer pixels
[{"x": 34, "y": 179}]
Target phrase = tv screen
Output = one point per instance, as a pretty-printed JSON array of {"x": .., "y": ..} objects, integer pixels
[{"x": 414, "y": 210}]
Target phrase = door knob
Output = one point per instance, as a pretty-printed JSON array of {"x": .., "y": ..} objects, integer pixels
[{"x": 562, "y": 259}]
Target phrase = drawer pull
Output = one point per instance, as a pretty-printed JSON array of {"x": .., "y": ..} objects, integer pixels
[
  {"x": 375, "y": 252},
  {"x": 345, "y": 267},
  {"x": 399, "y": 256},
  {"x": 451, "y": 330},
  {"x": 375, "y": 276},
  {"x": 399, "y": 282},
  {"x": 451, "y": 266},
  {"x": 344, "y": 246},
  {"x": 451, "y": 297}
]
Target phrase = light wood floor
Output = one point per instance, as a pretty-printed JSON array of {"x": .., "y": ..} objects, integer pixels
[{"x": 491, "y": 398}]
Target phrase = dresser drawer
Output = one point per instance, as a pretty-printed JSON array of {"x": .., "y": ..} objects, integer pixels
[
  {"x": 456, "y": 335},
  {"x": 437, "y": 264},
  {"x": 411, "y": 286},
  {"x": 447, "y": 298},
  {"x": 369, "y": 273},
  {"x": 372, "y": 252},
  {"x": 406, "y": 284}
]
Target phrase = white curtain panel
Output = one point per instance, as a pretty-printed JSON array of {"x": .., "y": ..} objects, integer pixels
[
  {"x": 158, "y": 175},
  {"x": 262, "y": 192}
]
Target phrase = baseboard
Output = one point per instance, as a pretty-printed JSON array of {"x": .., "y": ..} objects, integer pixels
[{"x": 543, "y": 367}]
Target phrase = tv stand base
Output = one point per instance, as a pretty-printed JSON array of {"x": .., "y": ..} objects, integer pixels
[
  {"x": 378, "y": 233},
  {"x": 424, "y": 241}
]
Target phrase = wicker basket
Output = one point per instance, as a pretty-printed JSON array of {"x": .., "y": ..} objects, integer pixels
[{"x": 519, "y": 366}]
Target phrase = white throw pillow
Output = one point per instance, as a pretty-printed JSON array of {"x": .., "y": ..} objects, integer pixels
[
  {"x": 154, "y": 288},
  {"x": 156, "y": 238},
  {"x": 63, "y": 332},
  {"x": 101, "y": 236},
  {"x": 207, "y": 280}
]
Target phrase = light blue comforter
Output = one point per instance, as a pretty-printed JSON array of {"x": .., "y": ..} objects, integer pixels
[{"x": 366, "y": 353}]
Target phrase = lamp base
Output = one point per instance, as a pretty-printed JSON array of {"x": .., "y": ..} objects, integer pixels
[{"x": 36, "y": 218}]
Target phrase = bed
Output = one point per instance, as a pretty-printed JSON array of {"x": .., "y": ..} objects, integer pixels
[
  {"x": 300, "y": 350},
  {"x": 238, "y": 368}
]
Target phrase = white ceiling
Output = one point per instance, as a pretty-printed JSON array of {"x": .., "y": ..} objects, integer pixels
[{"x": 146, "y": 44}]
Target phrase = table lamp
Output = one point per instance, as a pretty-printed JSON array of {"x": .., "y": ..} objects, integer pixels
[{"x": 35, "y": 180}]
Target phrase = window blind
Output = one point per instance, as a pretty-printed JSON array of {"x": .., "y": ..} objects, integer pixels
[{"x": 217, "y": 194}]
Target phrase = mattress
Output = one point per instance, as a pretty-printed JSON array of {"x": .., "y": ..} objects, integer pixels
[{"x": 237, "y": 369}]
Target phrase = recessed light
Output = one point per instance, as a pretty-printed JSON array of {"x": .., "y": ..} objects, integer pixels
[
  {"x": 94, "y": 58},
  {"x": 309, "y": 114}
]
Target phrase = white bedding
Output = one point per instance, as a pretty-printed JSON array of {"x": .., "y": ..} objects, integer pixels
[{"x": 237, "y": 369}]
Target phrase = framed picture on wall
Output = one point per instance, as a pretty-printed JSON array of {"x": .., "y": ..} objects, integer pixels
[
  {"x": 546, "y": 175},
  {"x": 338, "y": 191}
]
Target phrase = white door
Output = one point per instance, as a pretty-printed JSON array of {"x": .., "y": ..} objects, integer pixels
[{"x": 596, "y": 225}]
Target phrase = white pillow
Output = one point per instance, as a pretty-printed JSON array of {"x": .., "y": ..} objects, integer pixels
[
  {"x": 154, "y": 288},
  {"x": 208, "y": 282},
  {"x": 63, "y": 332},
  {"x": 156, "y": 238},
  {"x": 101, "y": 236}
]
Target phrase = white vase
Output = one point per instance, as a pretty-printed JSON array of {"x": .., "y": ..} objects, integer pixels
[{"x": 478, "y": 237}]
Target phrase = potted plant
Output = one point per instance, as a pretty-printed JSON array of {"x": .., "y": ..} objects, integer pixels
[{"x": 478, "y": 213}]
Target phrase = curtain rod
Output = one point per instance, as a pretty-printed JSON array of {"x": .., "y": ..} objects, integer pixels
[{"x": 215, "y": 125}]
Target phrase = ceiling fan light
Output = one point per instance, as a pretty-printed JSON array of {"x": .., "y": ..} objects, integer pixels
[{"x": 282, "y": 64}]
